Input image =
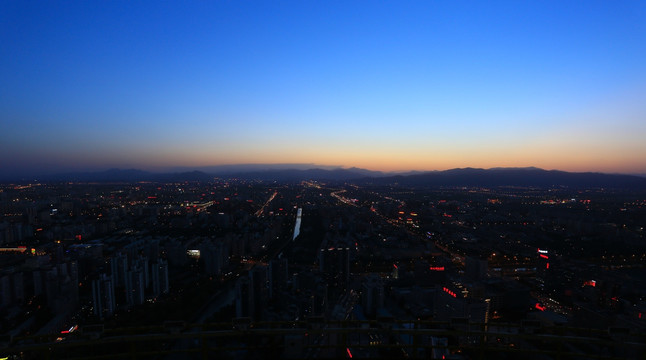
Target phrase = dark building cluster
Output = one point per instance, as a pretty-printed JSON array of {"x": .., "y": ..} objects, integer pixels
[{"x": 384, "y": 260}]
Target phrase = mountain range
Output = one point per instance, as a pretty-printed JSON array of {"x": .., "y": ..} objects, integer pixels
[{"x": 526, "y": 177}]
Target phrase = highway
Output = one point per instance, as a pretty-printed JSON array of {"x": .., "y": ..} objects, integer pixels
[
  {"x": 343, "y": 199},
  {"x": 262, "y": 209}
]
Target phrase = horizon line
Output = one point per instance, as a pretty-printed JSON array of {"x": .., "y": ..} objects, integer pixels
[{"x": 277, "y": 167}]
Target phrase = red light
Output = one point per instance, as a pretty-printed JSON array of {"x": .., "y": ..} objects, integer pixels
[
  {"x": 544, "y": 256},
  {"x": 590, "y": 283},
  {"x": 547, "y": 266},
  {"x": 539, "y": 307},
  {"x": 395, "y": 265},
  {"x": 152, "y": 197},
  {"x": 349, "y": 353},
  {"x": 639, "y": 315},
  {"x": 65, "y": 332},
  {"x": 446, "y": 290},
  {"x": 436, "y": 268}
]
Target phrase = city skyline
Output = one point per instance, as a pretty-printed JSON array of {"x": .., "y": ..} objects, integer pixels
[{"x": 381, "y": 86}]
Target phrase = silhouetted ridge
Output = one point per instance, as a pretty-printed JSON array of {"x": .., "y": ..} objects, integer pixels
[
  {"x": 524, "y": 177},
  {"x": 529, "y": 177},
  {"x": 129, "y": 175},
  {"x": 310, "y": 174}
]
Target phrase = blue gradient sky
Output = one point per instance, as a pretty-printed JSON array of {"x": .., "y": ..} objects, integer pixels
[{"x": 384, "y": 85}]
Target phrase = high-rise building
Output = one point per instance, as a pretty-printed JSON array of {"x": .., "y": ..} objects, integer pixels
[
  {"x": 103, "y": 296},
  {"x": 135, "y": 287},
  {"x": 372, "y": 295},
  {"x": 278, "y": 276},
  {"x": 142, "y": 263},
  {"x": 244, "y": 297},
  {"x": 319, "y": 303},
  {"x": 450, "y": 303},
  {"x": 334, "y": 263},
  {"x": 5, "y": 291},
  {"x": 476, "y": 269},
  {"x": 119, "y": 268},
  {"x": 176, "y": 253},
  {"x": 543, "y": 267},
  {"x": 159, "y": 281},
  {"x": 252, "y": 294},
  {"x": 39, "y": 281},
  {"x": 151, "y": 250},
  {"x": 260, "y": 290},
  {"x": 18, "y": 284},
  {"x": 214, "y": 257}
]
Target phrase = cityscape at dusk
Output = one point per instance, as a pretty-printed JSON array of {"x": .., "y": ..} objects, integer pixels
[
  {"x": 322, "y": 180},
  {"x": 387, "y": 86}
]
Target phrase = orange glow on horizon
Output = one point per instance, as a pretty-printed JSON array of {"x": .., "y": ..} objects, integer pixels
[{"x": 573, "y": 157}]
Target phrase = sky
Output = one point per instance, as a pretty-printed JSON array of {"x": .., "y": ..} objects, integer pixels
[{"x": 382, "y": 85}]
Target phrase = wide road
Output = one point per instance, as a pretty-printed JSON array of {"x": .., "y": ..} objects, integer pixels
[{"x": 262, "y": 209}]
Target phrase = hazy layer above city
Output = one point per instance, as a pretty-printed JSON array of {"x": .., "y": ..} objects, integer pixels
[{"x": 377, "y": 85}]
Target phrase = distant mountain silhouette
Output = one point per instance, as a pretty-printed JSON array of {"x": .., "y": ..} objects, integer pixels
[
  {"x": 249, "y": 172},
  {"x": 287, "y": 175},
  {"x": 129, "y": 175},
  {"x": 222, "y": 170},
  {"x": 309, "y": 174},
  {"x": 527, "y": 177},
  {"x": 184, "y": 176}
]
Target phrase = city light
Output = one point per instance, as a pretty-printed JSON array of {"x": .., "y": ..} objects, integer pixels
[{"x": 448, "y": 291}]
